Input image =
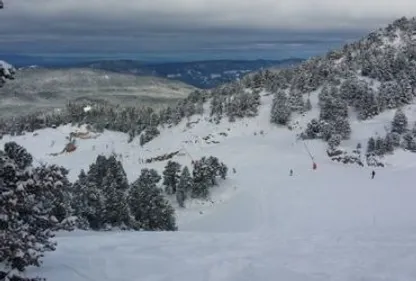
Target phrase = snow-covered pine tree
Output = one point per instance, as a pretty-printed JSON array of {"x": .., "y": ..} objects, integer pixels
[
  {"x": 371, "y": 146},
  {"x": 58, "y": 195},
  {"x": 333, "y": 109},
  {"x": 280, "y": 113},
  {"x": 399, "y": 123},
  {"x": 149, "y": 208},
  {"x": 334, "y": 141},
  {"x": 80, "y": 200},
  {"x": 313, "y": 130},
  {"x": 114, "y": 187},
  {"x": 171, "y": 176},
  {"x": 342, "y": 127},
  {"x": 95, "y": 211},
  {"x": 390, "y": 95},
  {"x": 18, "y": 154},
  {"x": 115, "y": 168},
  {"x": 201, "y": 179},
  {"x": 406, "y": 92},
  {"x": 295, "y": 101},
  {"x": 25, "y": 221},
  {"x": 368, "y": 105},
  {"x": 213, "y": 166},
  {"x": 184, "y": 186},
  {"x": 242, "y": 103},
  {"x": 380, "y": 147},
  {"x": 327, "y": 93},
  {"x": 394, "y": 138},
  {"x": 389, "y": 143},
  {"x": 91, "y": 198},
  {"x": 409, "y": 142}
]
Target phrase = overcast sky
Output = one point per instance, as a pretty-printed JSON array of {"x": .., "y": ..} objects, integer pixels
[{"x": 246, "y": 28}]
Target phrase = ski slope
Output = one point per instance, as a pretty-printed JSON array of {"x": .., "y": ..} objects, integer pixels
[{"x": 334, "y": 223}]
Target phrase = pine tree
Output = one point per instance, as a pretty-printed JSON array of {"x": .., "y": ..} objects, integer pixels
[
  {"x": 149, "y": 208},
  {"x": 80, "y": 200},
  {"x": 117, "y": 172},
  {"x": 171, "y": 177},
  {"x": 368, "y": 105},
  {"x": 19, "y": 154},
  {"x": 57, "y": 196},
  {"x": 25, "y": 221},
  {"x": 342, "y": 127},
  {"x": 295, "y": 101},
  {"x": 280, "y": 113},
  {"x": 380, "y": 147},
  {"x": 390, "y": 95},
  {"x": 95, "y": 211},
  {"x": 394, "y": 138},
  {"x": 324, "y": 96},
  {"x": 371, "y": 146},
  {"x": 399, "y": 123},
  {"x": 116, "y": 212},
  {"x": 184, "y": 186},
  {"x": 313, "y": 129},
  {"x": 333, "y": 109},
  {"x": 409, "y": 142},
  {"x": 202, "y": 180},
  {"x": 389, "y": 143},
  {"x": 334, "y": 141}
]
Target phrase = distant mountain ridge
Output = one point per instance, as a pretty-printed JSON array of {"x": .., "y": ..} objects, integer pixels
[{"x": 202, "y": 74}]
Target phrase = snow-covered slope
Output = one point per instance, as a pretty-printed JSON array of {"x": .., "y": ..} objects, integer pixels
[{"x": 333, "y": 223}]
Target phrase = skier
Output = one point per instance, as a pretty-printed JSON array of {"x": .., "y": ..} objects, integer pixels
[
  {"x": 314, "y": 166},
  {"x": 373, "y": 173},
  {"x": 291, "y": 172}
]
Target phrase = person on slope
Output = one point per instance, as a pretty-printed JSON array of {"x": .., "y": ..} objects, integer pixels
[
  {"x": 314, "y": 166},
  {"x": 373, "y": 173},
  {"x": 291, "y": 172}
]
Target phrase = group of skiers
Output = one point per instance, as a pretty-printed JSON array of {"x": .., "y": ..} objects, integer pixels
[{"x": 373, "y": 173}]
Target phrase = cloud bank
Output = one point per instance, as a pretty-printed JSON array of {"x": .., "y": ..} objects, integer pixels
[{"x": 189, "y": 24}]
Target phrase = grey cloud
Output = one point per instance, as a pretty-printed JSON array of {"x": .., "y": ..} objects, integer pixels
[{"x": 192, "y": 24}]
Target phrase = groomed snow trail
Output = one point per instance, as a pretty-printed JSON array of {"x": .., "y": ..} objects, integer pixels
[{"x": 332, "y": 224}]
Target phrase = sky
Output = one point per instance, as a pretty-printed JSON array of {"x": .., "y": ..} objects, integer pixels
[{"x": 191, "y": 28}]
